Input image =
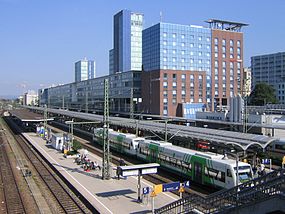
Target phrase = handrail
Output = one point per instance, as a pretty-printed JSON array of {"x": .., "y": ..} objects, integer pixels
[{"x": 270, "y": 184}]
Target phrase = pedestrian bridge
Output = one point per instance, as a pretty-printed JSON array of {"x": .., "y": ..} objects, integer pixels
[{"x": 245, "y": 198}]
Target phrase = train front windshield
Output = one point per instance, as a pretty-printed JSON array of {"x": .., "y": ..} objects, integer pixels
[{"x": 244, "y": 173}]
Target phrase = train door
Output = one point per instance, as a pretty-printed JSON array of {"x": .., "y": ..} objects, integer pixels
[
  {"x": 198, "y": 172},
  {"x": 152, "y": 155}
]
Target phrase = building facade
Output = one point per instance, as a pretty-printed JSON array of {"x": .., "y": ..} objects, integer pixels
[
  {"x": 84, "y": 70},
  {"x": 88, "y": 95},
  {"x": 212, "y": 56},
  {"x": 247, "y": 79},
  {"x": 270, "y": 69},
  {"x": 227, "y": 66},
  {"x": 126, "y": 54},
  {"x": 30, "y": 98}
]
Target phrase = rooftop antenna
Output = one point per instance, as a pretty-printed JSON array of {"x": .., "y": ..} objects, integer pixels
[{"x": 160, "y": 15}]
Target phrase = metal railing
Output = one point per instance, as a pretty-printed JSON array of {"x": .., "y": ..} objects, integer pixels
[{"x": 271, "y": 184}]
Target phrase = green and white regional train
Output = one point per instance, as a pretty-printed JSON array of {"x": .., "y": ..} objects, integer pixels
[{"x": 202, "y": 167}]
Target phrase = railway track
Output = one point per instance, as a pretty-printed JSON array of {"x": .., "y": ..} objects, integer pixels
[
  {"x": 68, "y": 202},
  {"x": 11, "y": 195},
  {"x": 163, "y": 176}
]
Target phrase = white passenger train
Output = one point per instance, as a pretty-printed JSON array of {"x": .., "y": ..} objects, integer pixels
[{"x": 202, "y": 167}]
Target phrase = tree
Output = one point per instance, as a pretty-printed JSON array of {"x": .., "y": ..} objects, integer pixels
[
  {"x": 76, "y": 145},
  {"x": 262, "y": 94}
]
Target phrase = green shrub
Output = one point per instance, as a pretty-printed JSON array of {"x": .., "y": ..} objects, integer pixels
[{"x": 76, "y": 145}]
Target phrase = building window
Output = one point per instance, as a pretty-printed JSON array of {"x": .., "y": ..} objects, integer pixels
[
  {"x": 182, "y": 60},
  {"x": 231, "y": 65},
  {"x": 191, "y": 84},
  {"x": 216, "y": 48},
  {"x": 224, "y": 42},
  {"x": 173, "y": 92},
  {"x": 216, "y": 41},
  {"x": 183, "y": 92},
  {"x": 173, "y": 59},
  {"x": 182, "y": 52},
  {"x": 174, "y": 84},
  {"x": 164, "y": 34},
  {"x": 165, "y": 100},
  {"x": 174, "y": 51},
  {"x": 174, "y": 43},
  {"x": 183, "y": 44},
  {"x": 191, "y": 45},
  {"x": 216, "y": 55},
  {"x": 183, "y": 76},
  {"x": 191, "y": 53},
  {"x": 208, "y": 39},
  {"x": 200, "y": 61},
  {"x": 238, "y": 43},
  {"x": 164, "y": 59},
  {"x": 224, "y": 64},
  {"x": 238, "y": 50},
  {"x": 231, "y": 42},
  {"x": 200, "y": 38},
  {"x": 191, "y": 61},
  {"x": 224, "y": 55},
  {"x": 164, "y": 84},
  {"x": 174, "y": 101},
  {"x": 231, "y": 50},
  {"x": 165, "y": 51},
  {"x": 224, "y": 49},
  {"x": 231, "y": 56},
  {"x": 174, "y": 35},
  {"x": 165, "y": 76},
  {"x": 200, "y": 46},
  {"x": 200, "y": 77},
  {"x": 200, "y": 53},
  {"x": 191, "y": 76},
  {"x": 216, "y": 63},
  {"x": 216, "y": 71},
  {"x": 164, "y": 42},
  {"x": 182, "y": 36}
]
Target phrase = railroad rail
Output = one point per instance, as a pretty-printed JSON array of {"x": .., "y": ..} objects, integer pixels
[
  {"x": 12, "y": 197},
  {"x": 68, "y": 202}
]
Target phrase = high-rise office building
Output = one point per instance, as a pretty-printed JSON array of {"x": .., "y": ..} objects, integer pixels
[
  {"x": 270, "y": 69},
  {"x": 191, "y": 64},
  {"x": 84, "y": 70},
  {"x": 126, "y": 54}
]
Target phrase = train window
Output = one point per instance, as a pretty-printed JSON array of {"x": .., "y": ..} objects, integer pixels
[
  {"x": 281, "y": 147},
  {"x": 223, "y": 177},
  {"x": 229, "y": 174}
]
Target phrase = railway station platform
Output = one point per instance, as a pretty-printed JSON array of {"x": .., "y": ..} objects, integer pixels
[{"x": 107, "y": 196}]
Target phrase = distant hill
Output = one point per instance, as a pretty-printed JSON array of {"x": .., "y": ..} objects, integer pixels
[{"x": 9, "y": 97}]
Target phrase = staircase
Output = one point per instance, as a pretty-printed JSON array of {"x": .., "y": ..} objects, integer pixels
[{"x": 254, "y": 191}]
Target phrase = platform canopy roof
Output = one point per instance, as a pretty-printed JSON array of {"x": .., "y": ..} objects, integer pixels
[{"x": 26, "y": 115}]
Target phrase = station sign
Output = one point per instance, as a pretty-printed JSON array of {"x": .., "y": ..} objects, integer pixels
[
  {"x": 171, "y": 186},
  {"x": 186, "y": 184},
  {"x": 145, "y": 190},
  {"x": 149, "y": 171},
  {"x": 130, "y": 173},
  {"x": 266, "y": 161}
]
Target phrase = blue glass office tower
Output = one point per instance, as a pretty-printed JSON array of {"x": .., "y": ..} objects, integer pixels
[
  {"x": 84, "y": 70},
  {"x": 127, "y": 51},
  {"x": 177, "y": 47}
]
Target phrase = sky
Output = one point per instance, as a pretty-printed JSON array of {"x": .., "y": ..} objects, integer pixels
[{"x": 40, "y": 40}]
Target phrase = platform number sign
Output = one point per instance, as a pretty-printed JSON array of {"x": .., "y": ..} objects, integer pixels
[
  {"x": 145, "y": 190},
  {"x": 186, "y": 184}
]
